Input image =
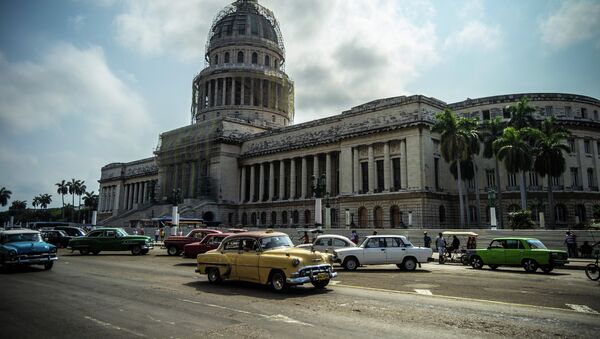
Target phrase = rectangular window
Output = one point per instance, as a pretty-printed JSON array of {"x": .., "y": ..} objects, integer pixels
[
  {"x": 595, "y": 114},
  {"x": 568, "y": 111},
  {"x": 436, "y": 168},
  {"x": 512, "y": 179},
  {"x": 505, "y": 113},
  {"x": 586, "y": 146},
  {"x": 572, "y": 145},
  {"x": 364, "y": 167},
  {"x": 574, "y": 176},
  {"x": 555, "y": 181},
  {"x": 533, "y": 179},
  {"x": 590, "y": 177},
  {"x": 549, "y": 110},
  {"x": 485, "y": 114},
  {"x": 380, "y": 179},
  {"x": 584, "y": 113},
  {"x": 490, "y": 175},
  {"x": 396, "y": 170},
  {"x": 471, "y": 183}
]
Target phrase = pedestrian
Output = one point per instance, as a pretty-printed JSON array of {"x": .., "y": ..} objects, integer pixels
[
  {"x": 162, "y": 234},
  {"x": 440, "y": 243},
  {"x": 305, "y": 238},
  {"x": 374, "y": 232},
  {"x": 571, "y": 242},
  {"x": 354, "y": 237},
  {"x": 142, "y": 231},
  {"x": 156, "y": 235},
  {"x": 426, "y": 240},
  {"x": 586, "y": 250}
]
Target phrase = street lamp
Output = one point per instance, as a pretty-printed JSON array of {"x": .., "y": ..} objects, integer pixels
[
  {"x": 347, "y": 218},
  {"x": 492, "y": 202}
]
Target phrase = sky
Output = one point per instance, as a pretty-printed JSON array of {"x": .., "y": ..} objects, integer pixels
[{"x": 86, "y": 83}]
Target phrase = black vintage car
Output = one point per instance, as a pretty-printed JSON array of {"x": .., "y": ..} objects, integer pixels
[
  {"x": 71, "y": 231},
  {"x": 57, "y": 238}
]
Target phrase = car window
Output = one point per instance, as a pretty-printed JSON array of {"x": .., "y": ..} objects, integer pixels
[
  {"x": 339, "y": 243},
  {"x": 34, "y": 237},
  {"x": 536, "y": 244},
  {"x": 275, "y": 241},
  {"x": 320, "y": 242},
  {"x": 513, "y": 244},
  {"x": 393, "y": 242},
  {"x": 249, "y": 245},
  {"x": 232, "y": 245},
  {"x": 498, "y": 244},
  {"x": 375, "y": 243},
  {"x": 109, "y": 234},
  {"x": 199, "y": 235},
  {"x": 95, "y": 234},
  {"x": 216, "y": 240}
]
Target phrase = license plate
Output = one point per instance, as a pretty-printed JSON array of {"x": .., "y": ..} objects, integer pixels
[{"x": 322, "y": 276}]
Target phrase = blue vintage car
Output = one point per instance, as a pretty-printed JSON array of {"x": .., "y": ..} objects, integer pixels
[{"x": 25, "y": 247}]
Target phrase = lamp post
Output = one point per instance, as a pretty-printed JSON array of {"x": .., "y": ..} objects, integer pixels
[
  {"x": 347, "y": 218},
  {"x": 492, "y": 202}
]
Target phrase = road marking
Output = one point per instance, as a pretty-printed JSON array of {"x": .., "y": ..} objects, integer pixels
[
  {"x": 274, "y": 317},
  {"x": 582, "y": 308},
  {"x": 334, "y": 282},
  {"x": 423, "y": 292},
  {"x": 111, "y": 326}
]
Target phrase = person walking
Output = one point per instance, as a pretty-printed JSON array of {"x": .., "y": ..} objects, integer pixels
[
  {"x": 440, "y": 243},
  {"x": 162, "y": 234},
  {"x": 354, "y": 237},
  {"x": 156, "y": 234},
  {"x": 571, "y": 242},
  {"x": 426, "y": 240}
]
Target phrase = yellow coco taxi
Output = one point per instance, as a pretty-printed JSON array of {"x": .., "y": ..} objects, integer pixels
[{"x": 266, "y": 257}]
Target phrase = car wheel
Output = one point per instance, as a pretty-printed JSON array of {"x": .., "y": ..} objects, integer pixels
[
  {"x": 172, "y": 250},
  {"x": 214, "y": 277},
  {"x": 530, "y": 265},
  {"x": 494, "y": 267},
  {"x": 84, "y": 251},
  {"x": 409, "y": 264},
  {"x": 48, "y": 265},
  {"x": 136, "y": 250},
  {"x": 592, "y": 271},
  {"x": 477, "y": 263},
  {"x": 400, "y": 266},
  {"x": 95, "y": 252},
  {"x": 464, "y": 260},
  {"x": 145, "y": 251},
  {"x": 320, "y": 283},
  {"x": 278, "y": 283},
  {"x": 547, "y": 269},
  {"x": 350, "y": 264}
]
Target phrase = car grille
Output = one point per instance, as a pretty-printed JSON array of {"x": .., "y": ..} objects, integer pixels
[
  {"x": 35, "y": 256},
  {"x": 314, "y": 270}
]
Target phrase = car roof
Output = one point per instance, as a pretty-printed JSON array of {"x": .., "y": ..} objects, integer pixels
[
  {"x": 19, "y": 231},
  {"x": 205, "y": 230},
  {"x": 514, "y": 238},
  {"x": 333, "y": 236},
  {"x": 473, "y": 234},
  {"x": 385, "y": 236},
  {"x": 257, "y": 234}
]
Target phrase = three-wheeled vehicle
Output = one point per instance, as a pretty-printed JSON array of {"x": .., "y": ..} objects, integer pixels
[{"x": 457, "y": 250}]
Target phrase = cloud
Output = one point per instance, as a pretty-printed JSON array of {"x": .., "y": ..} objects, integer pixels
[
  {"x": 65, "y": 116},
  {"x": 76, "y": 22},
  {"x": 573, "y": 22},
  {"x": 475, "y": 35}
]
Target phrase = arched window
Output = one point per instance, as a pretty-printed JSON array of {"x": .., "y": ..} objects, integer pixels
[
  {"x": 216, "y": 59},
  {"x": 442, "y": 214},
  {"x": 295, "y": 217},
  {"x": 363, "y": 217},
  {"x": 560, "y": 213},
  {"x": 395, "y": 216},
  {"x": 255, "y": 58},
  {"x": 253, "y": 218},
  {"x": 276, "y": 63},
  {"x": 240, "y": 57},
  {"x": 267, "y": 61},
  {"x": 273, "y": 218},
  {"x": 580, "y": 213},
  {"x": 378, "y": 217},
  {"x": 284, "y": 218},
  {"x": 244, "y": 219},
  {"x": 307, "y": 217},
  {"x": 263, "y": 218},
  {"x": 226, "y": 57}
]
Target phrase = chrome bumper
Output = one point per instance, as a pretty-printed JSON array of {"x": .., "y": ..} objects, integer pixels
[
  {"x": 38, "y": 259},
  {"x": 312, "y": 273}
]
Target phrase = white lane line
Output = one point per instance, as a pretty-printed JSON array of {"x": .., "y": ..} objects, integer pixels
[
  {"x": 423, "y": 292},
  {"x": 334, "y": 282},
  {"x": 275, "y": 317},
  {"x": 111, "y": 326},
  {"x": 582, "y": 308}
]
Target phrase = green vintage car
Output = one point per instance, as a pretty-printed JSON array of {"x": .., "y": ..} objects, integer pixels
[
  {"x": 529, "y": 253},
  {"x": 111, "y": 239}
]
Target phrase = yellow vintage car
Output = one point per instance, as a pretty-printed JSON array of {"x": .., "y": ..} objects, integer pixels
[{"x": 266, "y": 257}]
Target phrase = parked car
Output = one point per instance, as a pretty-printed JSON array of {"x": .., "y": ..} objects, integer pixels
[
  {"x": 71, "y": 230},
  {"x": 26, "y": 247},
  {"x": 383, "y": 249},
  {"x": 210, "y": 242},
  {"x": 266, "y": 257},
  {"x": 111, "y": 239},
  {"x": 328, "y": 243},
  {"x": 57, "y": 238},
  {"x": 529, "y": 253},
  {"x": 174, "y": 244}
]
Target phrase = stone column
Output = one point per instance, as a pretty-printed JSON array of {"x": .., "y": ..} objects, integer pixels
[
  {"x": 596, "y": 161},
  {"x": 404, "y": 165},
  {"x": 101, "y": 200},
  {"x": 356, "y": 170},
  {"x": 243, "y": 188},
  {"x": 304, "y": 179},
  {"x": 372, "y": 175},
  {"x": 316, "y": 166},
  {"x": 252, "y": 182},
  {"x": 136, "y": 195},
  {"x": 125, "y": 197},
  {"x": 142, "y": 192},
  {"x": 346, "y": 168},
  {"x": 242, "y": 91},
  {"x": 328, "y": 174},
  {"x": 193, "y": 179},
  {"x": 251, "y": 92},
  {"x": 386, "y": 167},
  {"x": 277, "y": 86},
  {"x": 260, "y": 93},
  {"x": 210, "y": 90},
  {"x": 215, "y": 91},
  {"x": 232, "y": 91},
  {"x": 292, "y": 179},
  {"x": 261, "y": 180},
  {"x": 271, "y": 180},
  {"x": 582, "y": 171},
  {"x": 111, "y": 197},
  {"x": 281, "y": 179}
]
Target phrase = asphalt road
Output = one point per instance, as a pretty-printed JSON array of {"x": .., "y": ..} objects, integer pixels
[{"x": 156, "y": 296}]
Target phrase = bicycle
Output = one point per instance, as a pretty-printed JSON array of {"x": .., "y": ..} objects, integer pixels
[{"x": 592, "y": 270}]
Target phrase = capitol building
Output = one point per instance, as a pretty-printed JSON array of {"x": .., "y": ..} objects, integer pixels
[{"x": 242, "y": 160}]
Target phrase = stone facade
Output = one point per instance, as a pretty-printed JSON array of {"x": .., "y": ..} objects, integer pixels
[{"x": 242, "y": 161}]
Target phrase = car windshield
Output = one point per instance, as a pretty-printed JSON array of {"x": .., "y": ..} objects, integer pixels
[
  {"x": 275, "y": 242},
  {"x": 121, "y": 233},
  {"x": 536, "y": 244},
  {"x": 35, "y": 237}
]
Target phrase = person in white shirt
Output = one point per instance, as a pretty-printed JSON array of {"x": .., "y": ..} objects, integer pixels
[{"x": 440, "y": 242}]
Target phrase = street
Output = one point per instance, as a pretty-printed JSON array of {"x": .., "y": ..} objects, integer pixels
[{"x": 116, "y": 295}]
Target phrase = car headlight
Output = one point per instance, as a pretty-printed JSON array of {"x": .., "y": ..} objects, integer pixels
[
  {"x": 12, "y": 253},
  {"x": 295, "y": 261},
  {"x": 53, "y": 250}
]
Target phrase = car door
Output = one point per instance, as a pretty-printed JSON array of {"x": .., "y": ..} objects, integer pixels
[
  {"x": 247, "y": 260},
  {"x": 374, "y": 251},
  {"x": 231, "y": 250},
  {"x": 322, "y": 244},
  {"x": 108, "y": 241},
  {"x": 394, "y": 250},
  {"x": 496, "y": 253},
  {"x": 514, "y": 252}
]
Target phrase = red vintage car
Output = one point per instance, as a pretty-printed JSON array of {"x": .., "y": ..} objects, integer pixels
[
  {"x": 210, "y": 242},
  {"x": 174, "y": 244}
]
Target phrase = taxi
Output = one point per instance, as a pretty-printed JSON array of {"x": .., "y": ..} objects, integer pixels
[{"x": 266, "y": 257}]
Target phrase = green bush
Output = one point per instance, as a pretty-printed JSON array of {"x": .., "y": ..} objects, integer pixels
[{"x": 520, "y": 220}]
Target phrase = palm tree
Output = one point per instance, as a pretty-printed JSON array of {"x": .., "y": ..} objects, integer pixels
[
  {"x": 514, "y": 149},
  {"x": 521, "y": 114},
  {"x": 469, "y": 127},
  {"x": 73, "y": 187},
  {"x": 63, "y": 189},
  {"x": 549, "y": 149},
  {"x": 35, "y": 202},
  {"x": 18, "y": 205},
  {"x": 80, "y": 191},
  {"x": 491, "y": 131},
  {"x": 45, "y": 200},
  {"x": 4, "y": 196},
  {"x": 454, "y": 146},
  {"x": 90, "y": 200}
]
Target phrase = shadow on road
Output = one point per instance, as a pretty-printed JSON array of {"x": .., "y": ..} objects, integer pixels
[
  {"x": 188, "y": 264},
  {"x": 509, "y": 270},
  {"x": 21, "y": 269},
  {"x": 230, "y": 288},
  {"x": 365, "y": 270}
]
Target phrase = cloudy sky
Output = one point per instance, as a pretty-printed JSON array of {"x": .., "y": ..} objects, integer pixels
[{"x": 84, "y": 83}]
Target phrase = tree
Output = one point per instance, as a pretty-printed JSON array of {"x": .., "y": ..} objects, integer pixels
[
  {"x": 455, "y": 145},
  {"x": 549, "y": 149},
  {"x": 80, "y": 191},
  {"x": 514, "y": 149},
  {"x": 90, "y": 200},
  {"x": 35, "y": 202},
  {"x": 62, "y": 189},
  {"x": 74, "y": 186},
  {"x": 18, "y": 205},
  {"x": 521, "y": 114},
  {"x": 491, "y": 131},
  {"x": 45, "y": 200},
  {"x": 4, "y": 196}
]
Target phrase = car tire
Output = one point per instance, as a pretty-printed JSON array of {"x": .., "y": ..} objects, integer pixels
[
  {"x": 172, "y": 251},
  {"x": 400, "y": 267},
  {"x": 530, "y": 265},
  {"x": 278, "y": 282},
  {"x": 592, "y": 272},
  {"x": 136, "y": 250},
  {"x": 350, "y": 264},
  {"x": 48, "y": 265},
  {"x": 547, "y": 269},
  {"x": 409, "y": 264},
  {"x": 476, "y": 263},
  {"x": 494, "y": 267},
  {"x": 214, "y": 277},
  {"x": 84, "y": 251},
  {"x": 95, "y": 252},
  {"x": 144, "y": 252},
  {"x": 320, "y": 284},
  {"x": 464, "y": 260}
]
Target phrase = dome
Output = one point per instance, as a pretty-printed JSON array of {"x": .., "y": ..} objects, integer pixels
[{"x": 244, "y": 20}]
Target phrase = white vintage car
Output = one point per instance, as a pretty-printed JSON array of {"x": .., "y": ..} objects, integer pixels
[
  {"x": 383, "y": 249},
  {"x": 328, "y": 243}
]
